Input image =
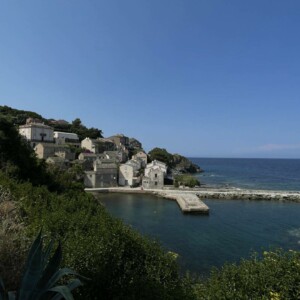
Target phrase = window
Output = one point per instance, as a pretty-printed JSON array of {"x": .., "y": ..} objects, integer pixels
[
  {"x": 155, "y": 182},
  {"x": 155, "y": 175}
]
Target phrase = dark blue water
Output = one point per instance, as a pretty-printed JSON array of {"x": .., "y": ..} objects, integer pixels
[
  {"x": 234, "y": 228},
  {"x": 271, "y": 174}
]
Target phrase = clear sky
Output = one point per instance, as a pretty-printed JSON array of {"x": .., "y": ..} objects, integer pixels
[{"x": 213, "y": 78}]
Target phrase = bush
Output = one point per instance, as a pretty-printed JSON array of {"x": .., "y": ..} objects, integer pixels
[
  {"x": 186, "y": 180},
  {"x": 274, "y": 276},
  {"x": 120, "y": 262}
]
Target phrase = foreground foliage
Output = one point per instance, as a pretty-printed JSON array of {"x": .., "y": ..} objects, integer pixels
[
  {"x": 41, "y": 274},
  {"x": 121, "y": 263},
  {"x": 275, "y": 276}
]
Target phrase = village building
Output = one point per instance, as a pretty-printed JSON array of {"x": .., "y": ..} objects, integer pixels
[
  {"x": 87, "y": 156},
  {"x": 120, "y": 140},
  {"x": 45, "y": 150},
  {"x": 98, "y": 145},
  {"x": 156, "y": 163},
  {"x": 129, "y": 173},
  {"x": 143, "y": 156},
  {"x": 105, "y": 174},
  {"x": 119, "y": 156},
  {"x": 69, "y": 138},
  {"x": 58, "y": 161},
  {"x": 34, "y": 131},
  {"x": 155, "y": 173}
]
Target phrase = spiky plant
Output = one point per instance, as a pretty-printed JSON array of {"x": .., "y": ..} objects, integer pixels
[{"x": 41, "y": 275}]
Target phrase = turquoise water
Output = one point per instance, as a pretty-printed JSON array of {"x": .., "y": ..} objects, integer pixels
[{"x": 234, "y": 228}]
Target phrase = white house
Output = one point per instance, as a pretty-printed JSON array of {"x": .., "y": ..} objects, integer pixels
[
  {"x": 34, "y": 131},
  {"x": 66, "y": 138},
  {"x": 155, "y": 172},
  {"x": 156, "y": 163}
]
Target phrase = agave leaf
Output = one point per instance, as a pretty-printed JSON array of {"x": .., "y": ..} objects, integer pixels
[
  {"x": 2, "y": 289},
  {"x": 63, "y": 292},
  {"x": 11, "y": 295},
  {"x": 51, "y": 268},
  {"x": 33, "y": 269},
  {"x": 47, "y": 253},
  {"x": 58, "y": 275},
  {"x": 73, "y": 284},
  {"x": 33, "y": 248}
]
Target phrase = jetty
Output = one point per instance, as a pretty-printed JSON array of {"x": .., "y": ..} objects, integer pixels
[{"x": 190, "y": 200}]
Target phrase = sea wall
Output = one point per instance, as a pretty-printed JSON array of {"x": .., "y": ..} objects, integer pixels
[{"x": 212, "y": 193}]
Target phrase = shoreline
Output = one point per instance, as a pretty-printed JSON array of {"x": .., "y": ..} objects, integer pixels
[{"x": 210, "y": 193}]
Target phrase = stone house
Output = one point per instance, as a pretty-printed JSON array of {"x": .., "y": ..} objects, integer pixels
[
  {"x": 58, "y": 161},
  {"x": 120, "y": 140},
  {"x": 34, "y": 131},
  {"x": 87, "y": 156},
  {"x": 143, "y": 156},
  {"x": 105, "y": 174},
  {"x": 45, "y": 150},
  {"x": 155, "y": 173},
  {"x": 69, "y": 138},
  {"x": 98, "y": 145},
  {"x": 129, "y": 174},
  {"x": 154, "y": 179},
  {"x": 156, "y": 163},
  {"x": 119, "y": 156}
]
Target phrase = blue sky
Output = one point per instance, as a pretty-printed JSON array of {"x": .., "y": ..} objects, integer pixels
[{"x": 210, "y": 78}]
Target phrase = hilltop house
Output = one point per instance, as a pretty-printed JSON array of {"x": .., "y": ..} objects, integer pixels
[{"x": 34, "y": 131}]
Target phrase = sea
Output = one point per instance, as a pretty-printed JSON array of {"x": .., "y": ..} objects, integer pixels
[{"x": 234, "y": 229}]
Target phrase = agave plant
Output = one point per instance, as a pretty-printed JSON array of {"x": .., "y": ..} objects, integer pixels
[{"x": 41, "y": 275}]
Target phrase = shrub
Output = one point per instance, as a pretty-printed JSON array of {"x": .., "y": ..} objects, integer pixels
[
  {"x": 186, "y": 180},
  {"x": 274, "y": 276}
]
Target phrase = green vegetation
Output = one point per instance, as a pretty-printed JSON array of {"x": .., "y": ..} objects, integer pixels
[
  {"x": 120, "y": 263},
  {"x": 162, "y": 155},
  {"x": 176, "y": 162},
  {"x": 274, "y": 276},
  {"x": 186, "y": 180},
  {"x": 19, "y": 117},
  {"x": 41, "y": 274}
]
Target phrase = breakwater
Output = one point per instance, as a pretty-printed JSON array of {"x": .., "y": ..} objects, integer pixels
[
  {"x": 243, "y": 194},
  {"x": 190, "y": 200},
  {"x": 211, "y": 193}
]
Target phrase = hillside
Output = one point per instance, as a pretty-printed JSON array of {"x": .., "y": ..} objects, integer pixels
[{"x": 18, "y": 117}]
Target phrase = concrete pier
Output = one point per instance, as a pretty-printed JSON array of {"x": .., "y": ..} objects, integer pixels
[{"x": 189, "y": 202}]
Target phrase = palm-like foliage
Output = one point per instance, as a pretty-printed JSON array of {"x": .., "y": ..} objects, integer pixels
[{"x": 41, "y": 274}]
